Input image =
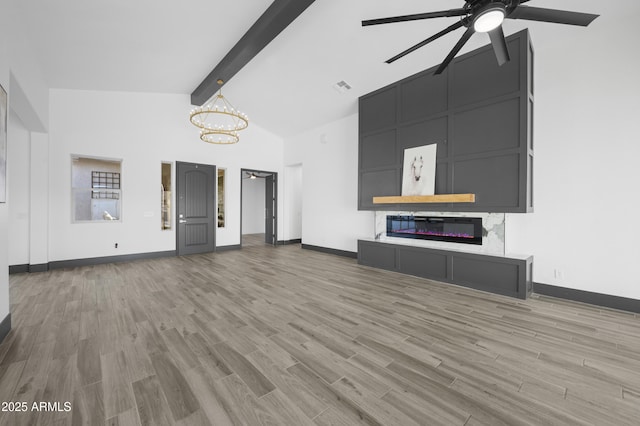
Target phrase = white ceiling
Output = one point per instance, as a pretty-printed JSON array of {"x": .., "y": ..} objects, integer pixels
[{"x": 169, "y": 47}]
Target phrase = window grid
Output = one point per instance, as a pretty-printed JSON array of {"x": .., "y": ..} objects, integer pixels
[{"x": 105, "y": 180}]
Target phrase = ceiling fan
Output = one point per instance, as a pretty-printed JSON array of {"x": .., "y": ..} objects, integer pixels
[
  {"x": 485, "y": 16},
  {"x": 253, "y": 175}
]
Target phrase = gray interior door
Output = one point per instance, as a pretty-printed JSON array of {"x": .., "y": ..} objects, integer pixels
[
  {"x": 195, "y": 210},
  {"x": 270, "y": 228}
]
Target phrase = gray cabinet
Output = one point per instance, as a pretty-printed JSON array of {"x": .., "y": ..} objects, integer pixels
[
  {"x": 480, "y": 116},
  {"x": 494, "y": 274}
]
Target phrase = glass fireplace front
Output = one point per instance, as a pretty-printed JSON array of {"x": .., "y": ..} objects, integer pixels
[{"x": 466, "y": 230}]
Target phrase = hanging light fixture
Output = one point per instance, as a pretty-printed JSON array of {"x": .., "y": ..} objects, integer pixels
[
  {"x": 489, "y": 17},
  {"x": 219, "y": 121}
]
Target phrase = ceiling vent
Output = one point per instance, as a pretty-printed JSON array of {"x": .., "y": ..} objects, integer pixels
[{"x": 342, "y": 86}]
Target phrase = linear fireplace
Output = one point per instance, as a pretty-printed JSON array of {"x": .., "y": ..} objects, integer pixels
[{"x": 466, "y": 230}]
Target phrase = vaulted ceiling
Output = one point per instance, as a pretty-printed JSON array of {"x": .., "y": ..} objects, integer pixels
[{"x": 170, "y": 47}]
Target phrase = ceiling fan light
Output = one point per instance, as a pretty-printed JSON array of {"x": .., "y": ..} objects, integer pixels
[{"x": 490, "y": 18}]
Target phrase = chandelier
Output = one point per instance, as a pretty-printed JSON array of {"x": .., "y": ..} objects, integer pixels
[{"x": 219, "y": 121}]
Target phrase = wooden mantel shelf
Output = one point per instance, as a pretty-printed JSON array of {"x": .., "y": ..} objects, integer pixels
[{"x": 438, "y": 198}]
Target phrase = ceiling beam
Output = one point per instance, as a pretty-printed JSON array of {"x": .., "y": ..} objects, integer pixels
[{"x": 271, "y": 23}]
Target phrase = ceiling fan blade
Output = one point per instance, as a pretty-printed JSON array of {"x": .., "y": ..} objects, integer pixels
[
  {"x": 404, "y": 18},
  {"x": 552, "y": 15},
  {"x": 499, "y": 45},
  {"x": 465, "y": 37},
  {"x": 427, "y": 41},
  {"x": 514, "y": 5}
]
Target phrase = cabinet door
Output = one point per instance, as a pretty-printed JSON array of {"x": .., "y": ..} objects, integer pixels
[
  {"x": 377, "y": 255},
  {"x": 423, "y": 263}
]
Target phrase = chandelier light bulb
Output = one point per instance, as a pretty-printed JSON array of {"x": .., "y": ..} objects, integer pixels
[{"x": 218, "y": 120}]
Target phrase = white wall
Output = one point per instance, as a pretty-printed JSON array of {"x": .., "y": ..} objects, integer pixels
[
  {"x": 586, "y": 174},
  {"x": 5, "y": 66},
  {"x": 21, "y": 77},
  {"x": 143, "y": 130},
  {"x": 39, "y": 200},
  {"x": 18, "y": 175},
  {"x": 330, "y": 187},
  {"x": 29, "y": 90},
  {"x": 253, "y": 205},
  {"x": 4, "y": 261},
  {"x": 293, "y": 188}
]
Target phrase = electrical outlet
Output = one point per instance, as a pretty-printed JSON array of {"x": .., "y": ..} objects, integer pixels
[{"x": 558, "y": 274}]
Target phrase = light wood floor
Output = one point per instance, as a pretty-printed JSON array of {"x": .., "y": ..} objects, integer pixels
[
  {"x": 250, "y": 240},
  {"x": 286, "y": 336}
]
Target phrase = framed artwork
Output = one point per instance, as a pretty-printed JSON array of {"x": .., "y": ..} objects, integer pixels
[
  {"x": 3, "y": 145},
  {"x": 419, "y": 170}
]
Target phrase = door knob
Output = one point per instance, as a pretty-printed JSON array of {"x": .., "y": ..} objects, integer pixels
[{"x": 182, "y": 221}]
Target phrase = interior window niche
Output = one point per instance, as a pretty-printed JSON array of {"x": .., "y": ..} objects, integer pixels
[
  {"x": 221, "y": 197},
  {"x": 96, "y": 186},
  {"x": 165, "y": 196}
]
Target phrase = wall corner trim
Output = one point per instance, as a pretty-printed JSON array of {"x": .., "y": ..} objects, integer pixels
[
  {"x": 597, "y": 299},
  {"x": 288, "y": 242},
  {"x": 228, "y": 248},
  {"x": 73, "y": 263},
  {"x": 18, "y": 269},
  {"x": 5, "y": 327},
  {"x": 41, "y": 267},
  {"x": 336, "y": 252}
]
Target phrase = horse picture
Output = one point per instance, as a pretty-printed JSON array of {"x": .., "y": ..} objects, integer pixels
[
  {"x": 416, "y": 174},
  {"x": 419, "y": 171}
]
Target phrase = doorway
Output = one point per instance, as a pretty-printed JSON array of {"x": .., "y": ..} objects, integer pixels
[
  {"x": 195, "y": 208},
  {"x": 259, "y": 207}
]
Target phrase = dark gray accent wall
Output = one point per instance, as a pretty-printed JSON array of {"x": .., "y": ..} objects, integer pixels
[
  {"x": 480, "y": 116},
  {"x": 494, "y": 274}
]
